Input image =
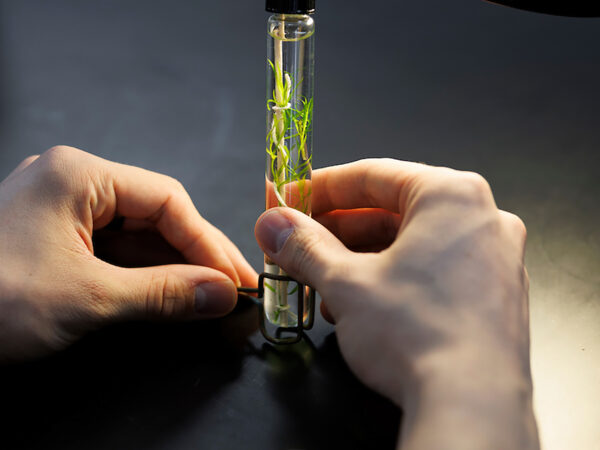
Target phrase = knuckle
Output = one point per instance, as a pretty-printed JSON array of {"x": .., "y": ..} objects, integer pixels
[
  {"x": 475, "y": 186},
  {"x": 514, "y": 225},
  {"x": 176, "y": 189},
  {"x": 520, "y": 231},
  {"x": 379, "y": 162},
  {"x": 178, "y": 185},
  {"x": 410, "y": 184},
  {"x": 61, "y": 153},
  {"x": 436, "y": 185},
  {"x": 370, "y": 166},
  {"x": 302, "y": 257},
  {"x": 175, "y": 184},
  {"x": 165, "y": 295},
  {"x": 455, "y": 186},
  {"x": 460, "y": 194},
  {"x": 369, "y": 163},
  {"x": 57, "y": 168},
  {"x": 519, "y": 226}
]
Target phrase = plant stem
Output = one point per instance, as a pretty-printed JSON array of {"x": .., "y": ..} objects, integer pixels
[
  {"x": 281, "y": 290},
  {"x": 279, "y": 96}
]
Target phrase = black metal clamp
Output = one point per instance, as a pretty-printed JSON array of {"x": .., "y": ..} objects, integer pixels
[{"x": 306, "y": 302}]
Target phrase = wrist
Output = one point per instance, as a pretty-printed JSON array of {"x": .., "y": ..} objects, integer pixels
[{"x": 470, "y": 399}]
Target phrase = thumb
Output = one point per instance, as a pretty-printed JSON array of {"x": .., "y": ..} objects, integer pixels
[
  {"x": 172, "y": 292},
  {"x": 302, "y": 247}
]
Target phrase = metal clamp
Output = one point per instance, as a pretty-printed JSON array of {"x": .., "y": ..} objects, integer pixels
[{"x": 305, "y": 294}]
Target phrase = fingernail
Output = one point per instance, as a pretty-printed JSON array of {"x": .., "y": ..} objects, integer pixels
[
  {"x": 215, "y": 298},
  {"x": 273, "y": 230}
]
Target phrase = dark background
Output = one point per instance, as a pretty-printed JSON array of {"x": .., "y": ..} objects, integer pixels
[{"x": 179, "y": 88}]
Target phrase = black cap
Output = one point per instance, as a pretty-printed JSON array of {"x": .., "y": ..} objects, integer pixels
[{"x": 291, "y": 6}]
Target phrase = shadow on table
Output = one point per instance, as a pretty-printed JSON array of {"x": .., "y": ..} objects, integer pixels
[
  {"x": 127, "y": 386},
  {"x": 141, "y": 385},
  {"x": 326, "y": 406}
]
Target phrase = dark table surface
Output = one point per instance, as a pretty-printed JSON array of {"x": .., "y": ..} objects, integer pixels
[{"x": 178, "y": 87}]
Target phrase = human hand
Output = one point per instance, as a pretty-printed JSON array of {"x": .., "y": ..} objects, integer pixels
[
  {"x": 435, "y": 315},
  {"x": 52, "y": 287}
]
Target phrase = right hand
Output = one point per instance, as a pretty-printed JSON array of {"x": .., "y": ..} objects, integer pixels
[{"x": 437, "y": 311}]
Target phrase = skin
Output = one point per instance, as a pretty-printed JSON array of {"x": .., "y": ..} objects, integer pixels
[
  {"x": 418, "y": 259},
  {"x": 52, "y": 287},
  {"x": 424, "y": 278}
]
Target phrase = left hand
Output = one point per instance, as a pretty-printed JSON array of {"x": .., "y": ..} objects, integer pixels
[{"x": 52, "y": 287}]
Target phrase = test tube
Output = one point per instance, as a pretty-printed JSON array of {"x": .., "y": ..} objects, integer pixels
[{"x": 289, "y": 107}]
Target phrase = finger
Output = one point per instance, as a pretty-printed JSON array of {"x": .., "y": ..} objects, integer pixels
[
  {"x": 137, "y": 243},
  {"x": 370, "y": 183},
  {"x": 295, "y": 194},
  {"x": 248, "y": 276},
  {"x": 362, "y": 228},
  {"x": 169, "y": 292},
  {"x": 104, "y": 189},
  {"x": 305, "y": 249},
  {"x": 143, "y": 195},
  {"x": 23, "y": 165}
]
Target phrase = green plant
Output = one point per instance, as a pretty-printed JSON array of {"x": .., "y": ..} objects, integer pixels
[
  {"x": 279, "y": 290},
  {"x": 289, "y": 162},
  {"x": 287, "y": 140}
]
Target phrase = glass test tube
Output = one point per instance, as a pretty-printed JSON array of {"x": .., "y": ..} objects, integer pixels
[{"x": 290, "y": 74}]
